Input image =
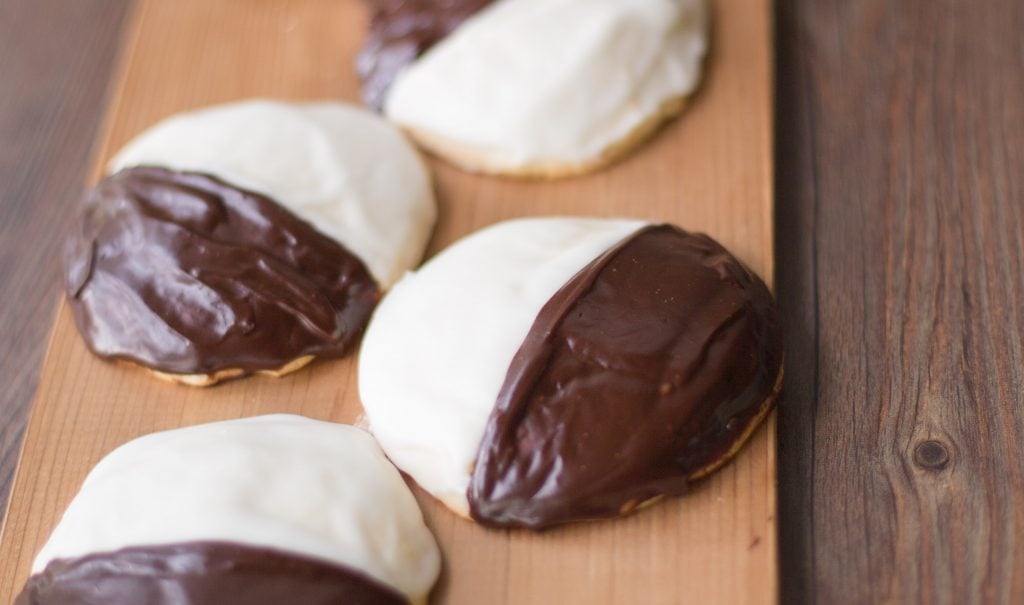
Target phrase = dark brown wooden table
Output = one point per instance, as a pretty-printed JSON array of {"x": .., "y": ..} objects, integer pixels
[
  {"x": 56, "y": 60},
  {"x": 900, "y": 272}
]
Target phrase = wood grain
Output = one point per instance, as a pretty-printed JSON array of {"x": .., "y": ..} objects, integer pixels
[
  {"x": 710, "y": 171},
  {"x": 55, "y": 65},
  {"x": 901, "y": 275}
]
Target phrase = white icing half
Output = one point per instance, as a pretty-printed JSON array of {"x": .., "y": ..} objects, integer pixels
[
  {"x": 550, "y": 83},
  {"x": 437, "y": 349},
  {"x": 315, "y": 488},
  {"x": 345, "y": 170}
]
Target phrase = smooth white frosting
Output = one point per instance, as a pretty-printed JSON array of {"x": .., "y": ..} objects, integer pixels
[
  {"x": 437, "y": 349},
  {"x": 343, "y": 169},
  {"x": 315, "y": 488},
  {"x": 550, "y": 83}
]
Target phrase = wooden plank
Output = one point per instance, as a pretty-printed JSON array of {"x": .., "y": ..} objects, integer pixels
[
  {"x": 55, "y": 63},
  {"x": 901, "y": 272},
  {"x": 709, "y": 171}
]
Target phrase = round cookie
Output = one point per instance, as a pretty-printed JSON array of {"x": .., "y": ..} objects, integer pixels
[
  {"x": 547, "y": 370},
  {"x": 543, "y": 88},
  {"x": 272, "y": 509},
  {"x": 246, "y": 238}
]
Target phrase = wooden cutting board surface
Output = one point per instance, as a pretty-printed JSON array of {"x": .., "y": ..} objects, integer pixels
[{"x": 710, "y": 171}]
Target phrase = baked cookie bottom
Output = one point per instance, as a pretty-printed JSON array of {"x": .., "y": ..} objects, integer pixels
[
  {"x": 208, "y": 380},
  {"x": 466, "y": 158}
]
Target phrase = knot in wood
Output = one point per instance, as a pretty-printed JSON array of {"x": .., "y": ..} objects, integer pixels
[{"x": 932, "y": 455}]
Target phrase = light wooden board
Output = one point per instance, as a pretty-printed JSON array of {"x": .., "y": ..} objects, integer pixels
[{"x": 711, "y": 171}]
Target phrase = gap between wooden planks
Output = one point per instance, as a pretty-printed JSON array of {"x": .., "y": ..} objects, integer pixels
[{"x": 710, "y": 171}]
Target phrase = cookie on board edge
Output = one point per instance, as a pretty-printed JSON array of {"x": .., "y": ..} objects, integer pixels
[
  {"x": 272, "y": 509},
  {"x": 548, "y": 370},
  {"x": 533, "y": 88}
]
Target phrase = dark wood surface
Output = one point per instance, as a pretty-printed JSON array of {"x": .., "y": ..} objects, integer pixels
[
  {"x": 900, "y": 272},
  {"x": 900, "y": 266},
  {"x": 56, "y": 60}
]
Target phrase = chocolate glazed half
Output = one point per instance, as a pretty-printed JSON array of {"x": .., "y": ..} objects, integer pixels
[
  {"x": 648, "y": 368},
  {"x": 185, "y": 274},
  {"x": 401, "y": 31},
  {"x": 201, "y": 573}
]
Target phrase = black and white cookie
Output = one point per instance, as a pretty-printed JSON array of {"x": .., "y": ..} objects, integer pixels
[
  {"x": 532, "y": 87},
  {"x": 547, "y": 370},
  {"x": 272, "y": 509},
  {"x": 249, "y": 237}
]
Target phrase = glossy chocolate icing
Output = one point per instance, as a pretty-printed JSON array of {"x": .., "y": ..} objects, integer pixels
[
  {"x": 202, "y": 573},
  {"x": 186, "y": 274},
  {"x": 648, "y": 367},
  {"x": 401, "y": 31}
]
